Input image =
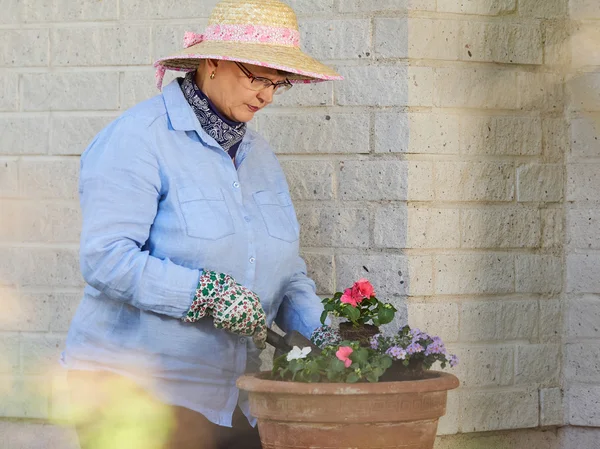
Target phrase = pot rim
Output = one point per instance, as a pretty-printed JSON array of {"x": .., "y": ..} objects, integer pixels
[{"x": 257, "y": 383}]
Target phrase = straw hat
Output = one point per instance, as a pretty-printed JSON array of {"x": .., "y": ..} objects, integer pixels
[{"x": 259, "y": 32}]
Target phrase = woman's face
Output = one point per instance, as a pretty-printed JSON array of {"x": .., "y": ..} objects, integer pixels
[{"x": 230, "y": 88}]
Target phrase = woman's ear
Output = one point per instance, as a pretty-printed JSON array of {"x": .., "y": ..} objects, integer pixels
[{"x": 212, "y": 63}]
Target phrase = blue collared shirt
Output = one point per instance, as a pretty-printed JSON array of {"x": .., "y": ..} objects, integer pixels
[{"x": 161, "y": 201}]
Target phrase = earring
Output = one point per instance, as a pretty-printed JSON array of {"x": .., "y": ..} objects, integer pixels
[{"x": 212, "y": 75}]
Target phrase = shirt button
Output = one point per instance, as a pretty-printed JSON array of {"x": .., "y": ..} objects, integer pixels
[
  {"x": 252, "y": 260},
  {"x": 236, "y": 185},
  {"x": 242, "y": 340}
]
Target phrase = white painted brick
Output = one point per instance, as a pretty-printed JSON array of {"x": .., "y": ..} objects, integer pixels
[
  {"x": 582, "y": 273},
  {"x": 41, "y": 267},
  {"x": 516, "y": 43},
  {"x": 500, "y": 135},
  {"x": 582, "y": 362},
  {"x": 584, "y": 89},
  {"x": 480, "y": 7},
  {"x": 70, "y": 91},
  {"x": 474, "y": 181},
  {"x": 387, "y": 273},
  {"x": 583, "y": 228},
  {"x": 556, "y": 139},
  {"x": 315, "y": 94},
  {"x": 585, "y": 136},
  {"x": 551, "y": 320},
  {"x": 476, "y": 88},
  {"x": 389, "y": 228},
  {"x": 169, "y": 9},
  {"x": 485, "y": 366},
  {"x": 168, "y": 39},
  {"x": 49, "y": 178},
  {"x": 538, "y": 273},
  {"x": 551, "y": 407},
  {"x": 70, "y": 135},
  {"x": 584, "y": 9},
  {"x": 583, "y": 317},
  {"x": 9, "y": 177},
  {"x": 316, "y": 133},
  {"x": 537, "y": 182},
  {"x": 508, "y": 439},
  {"x": 30, "y": 435},
  {"x": 584, "y": 44},
  {"x": 27, "y": 397},
  {"x": 422, "y": 85},
  {"x": 552, "y": 228},
  {"x": 433, "y": 228},
  {"x": 500, "y": 320},
  {"x": 309, "y": 180},
  {"x": 64, "y": 306},
  {"x": 583, "y": 182},
  {"x": 476, "y": 273},
  {"x": 336, "y": 39},
  {"x": 439, "y": 318},
  {"x": 373, "y": 86},
  {"x": 357, "y": 180},
  {"x": 501, "y": 409},
  {"x": 583, "y": 405},
  {"x": 391, "y": 37},
  {"x": 420, "y": 275},
  {"x": 50, "y": 221},
  {"x": 40, "y": 353},
  {"x": 311, "y": 7},
  {"x": 392, "y": 130},
  {"x": 139, "y": 85},
  {"x": 432, "y": 39},
  {"x": 67, "y": 11},
  {"x": 9, "y": 353},
  {"x": 9, "y": 221},
  {"x": 60, "y": 404},
  {"x": 27, "y": 312},
  {"x": 449, "y": 423},
  {"x": 543, "y": 9},
  {"x": 320, "y": 270},
  {"x": 500, "y": 228},
  {"x": 9, "y": 84},
  {"x": 538, "y": 364},
  {"x": 579, "y": 437},
  {"x": 333, "y": 226},
  {"x": 540, "y": 91},
  {"x": 556, "y": 42},
  {"x": 420, "y": 180},
  {"x": 24, "y": 48},
  {"x": 24, "y": 135},
  {"x": 386, "y": 5},
  {"x": 11, "y": 11},
  {"x": 123, "y": 45},
  {"x": 425, "y": 133}
]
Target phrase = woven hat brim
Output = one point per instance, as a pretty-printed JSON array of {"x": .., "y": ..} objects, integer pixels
[{"x": 289, "y": 59}]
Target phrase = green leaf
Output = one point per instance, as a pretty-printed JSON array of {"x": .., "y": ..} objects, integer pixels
[
  {"x": 352, "y": 378},
  {"x": 386, "y": 362},
  {"x": 336, "y": 366},
  {"x": 323, "y": 316},
  {"x": 361, "y": 355},
  {"x": 385, "y": 315},
  {"x": 352, "y": 313},
  {"x": 371, "y": 377}
]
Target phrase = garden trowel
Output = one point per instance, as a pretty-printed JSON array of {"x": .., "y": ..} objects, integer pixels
[{"x": 285, "y": 343}]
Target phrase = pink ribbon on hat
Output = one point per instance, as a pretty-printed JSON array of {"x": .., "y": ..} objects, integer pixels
[{"x": 189, "y": 38}]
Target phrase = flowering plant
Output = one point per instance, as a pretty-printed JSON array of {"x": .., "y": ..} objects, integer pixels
[
  {"x": 412, "y": 345},
  {"x": 345, "y": 362},
  {"x": 358, "y": 305}
]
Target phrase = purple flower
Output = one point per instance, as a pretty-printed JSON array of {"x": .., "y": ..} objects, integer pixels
[
  {"x": 453, "y": 361},
  {"x": 413, "y": 348},
  {"x": 437, "y": 347},
  {"x": 396, "y": 352},
  {"x": 374, "y": 341}
]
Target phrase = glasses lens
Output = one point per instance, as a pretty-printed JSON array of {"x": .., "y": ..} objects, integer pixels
[
  {"x": 281, "y": 88},
  {"x": 260, "y": 83}
]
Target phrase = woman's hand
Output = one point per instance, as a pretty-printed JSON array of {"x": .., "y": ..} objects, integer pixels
[{"x": 232, "y": 306}]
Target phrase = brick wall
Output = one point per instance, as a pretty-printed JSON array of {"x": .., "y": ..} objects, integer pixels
[{"x": 440, "y": 161}]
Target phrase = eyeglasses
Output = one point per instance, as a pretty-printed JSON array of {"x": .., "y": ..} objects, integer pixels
[{"x": 259, "y": 83}]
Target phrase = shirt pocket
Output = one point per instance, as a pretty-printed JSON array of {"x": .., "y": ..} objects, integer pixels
[
  {"x": 278, "y": 214},
  {"x": 205, "y": 212}
]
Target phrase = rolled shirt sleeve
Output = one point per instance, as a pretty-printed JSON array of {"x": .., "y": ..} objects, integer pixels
[{"x": 120, "y": 189}]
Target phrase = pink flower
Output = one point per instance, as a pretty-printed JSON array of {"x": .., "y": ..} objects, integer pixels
[
  {"x": 365, "y": 288},
  {"x": 349, "y": 298},
  {"x": 344, "y": 355}
]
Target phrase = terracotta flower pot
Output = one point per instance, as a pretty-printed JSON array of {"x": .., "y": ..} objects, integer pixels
[{"x": 340, "y": 415}]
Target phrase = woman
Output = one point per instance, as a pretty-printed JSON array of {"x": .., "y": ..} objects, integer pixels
[{"x": 189, "y": 244}]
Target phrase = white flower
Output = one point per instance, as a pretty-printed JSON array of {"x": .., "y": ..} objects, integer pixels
[{"x": 297, "y": 353}]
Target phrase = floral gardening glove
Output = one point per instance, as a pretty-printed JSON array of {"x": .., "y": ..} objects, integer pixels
[
  {"x": 232, "y": 306},
  {"x": 325, "y": 336}
]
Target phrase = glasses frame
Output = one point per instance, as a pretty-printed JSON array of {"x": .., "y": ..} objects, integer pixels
[{"x": 287, "y": 84}]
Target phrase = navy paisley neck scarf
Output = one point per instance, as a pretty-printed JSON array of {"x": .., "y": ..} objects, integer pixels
[{"x": 227, "y": 133}]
